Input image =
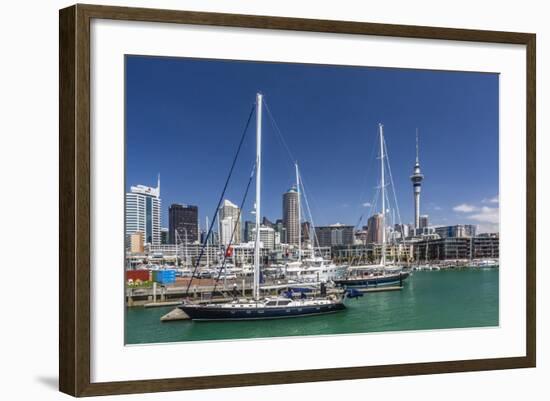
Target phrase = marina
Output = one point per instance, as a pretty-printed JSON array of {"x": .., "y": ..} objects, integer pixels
[
  {"x": 445, "y": 299},
  {"x": 380, "y": 274}
]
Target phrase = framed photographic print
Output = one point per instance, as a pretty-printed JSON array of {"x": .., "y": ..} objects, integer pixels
[{"x": 339, "y": 200}]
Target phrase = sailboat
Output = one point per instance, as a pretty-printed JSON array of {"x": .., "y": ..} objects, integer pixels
[
  {"x": 184, "y": 271},
  {"x": 257, "y": 307},
  {"x": 315, "y": 268},
  {"x": 378, "y": 274}
]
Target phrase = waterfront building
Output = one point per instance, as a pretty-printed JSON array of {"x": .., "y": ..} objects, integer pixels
[
  {"x": 424, "y": 232},
  {"x": 442, "y": 249},
  {"x": 143, "y": 212},
  {"x": 417, "y": 177},
  {"x": 335, "y": 234},
  {"x": 242, "y": 253},
  {"x": 456, "y": 248},
  {"x": 324, "y": 252},
  {"x": 485, "y": 247},
  {"x": 488, "y": 235},
  {"x": 456, "y": 231},
  {"x": 370, "y": 253},
  {"x": 290, "y": 215},
  {"x": 188, "y": 254},
  {"x": 185, "y": 220},
  {"x": 285, "y": 252},
  {"x": 230, "y": 220},
  {"x": 374, "y": 229}
]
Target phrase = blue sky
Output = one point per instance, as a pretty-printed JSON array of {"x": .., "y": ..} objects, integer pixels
[{"x": 184, "y": 118}]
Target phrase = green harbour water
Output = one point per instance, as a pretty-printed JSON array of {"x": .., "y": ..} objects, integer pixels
[{"x": 443, "y": 299}]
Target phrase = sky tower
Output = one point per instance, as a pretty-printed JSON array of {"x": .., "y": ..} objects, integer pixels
[{"x": 416, "y": 179}]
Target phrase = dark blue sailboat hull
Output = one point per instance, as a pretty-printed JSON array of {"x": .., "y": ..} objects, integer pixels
[
  {"x": 373, "y": 281},
  {"x": 224, "y": 313}
]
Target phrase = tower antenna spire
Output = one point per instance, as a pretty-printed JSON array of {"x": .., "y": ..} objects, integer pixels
[{"x": 417, "y": 146}]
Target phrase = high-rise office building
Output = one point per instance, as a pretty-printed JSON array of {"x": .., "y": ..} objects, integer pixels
[
  {"x": 228, "y": 233},
  {"x": 230, "y": 223},
  {"x": 423, "y": 222},
  {"x": 402, "y": 229},
  {"x": 202, "y": 235},
  {"x": 306, "y": 231},
  {"x": 267, "y": 237},
  {"x": 335, "y": 234},
  {"x": 214, "y": 238},
  {"x": 266, "y": 222},
  {"x": 361, "y": 235},
  {"x": 143, "y": 208},
  {"x": 290, "y": 215},
  {"x": 164, "y": 236},
  {"x": 183, "y": 219},
  {"x": 248, "y": 227},
  {"x": 457, "y": 231},
  {"x": 280, "y": 228},
  {"x": 374, "y": 229}
]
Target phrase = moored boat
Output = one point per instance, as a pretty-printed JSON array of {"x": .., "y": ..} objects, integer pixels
[
  {"x": 257, "y": 307},
  {"x": 485, "y": 263},
  {"x": 373, "y": 280},
  {"x": 266, "y": 308},
  {"x": 315, "y": 269},
  {"x": 383, "y": 273}
]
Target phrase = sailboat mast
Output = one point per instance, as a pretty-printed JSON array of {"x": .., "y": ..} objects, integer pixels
[
  {"x": 383, "y": 190},
  {"x": 186, "y": 250},
  {"x": 176, "y": 241},
  {"x": 207, "y": 249},
  {"x": 299, "y": 214},
  {"x": 256, "y": 288}
]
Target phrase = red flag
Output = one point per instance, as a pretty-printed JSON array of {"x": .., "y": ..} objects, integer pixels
[{"x": 228, "y": 252}]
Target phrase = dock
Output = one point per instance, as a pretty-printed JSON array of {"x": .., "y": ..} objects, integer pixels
[{"x": 161, "y": 304}]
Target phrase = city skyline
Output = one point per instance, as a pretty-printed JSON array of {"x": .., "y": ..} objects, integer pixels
[{"x": 461, "y": 175}]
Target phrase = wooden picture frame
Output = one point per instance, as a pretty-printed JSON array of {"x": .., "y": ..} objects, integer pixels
[{"x": 74, "y": 199}]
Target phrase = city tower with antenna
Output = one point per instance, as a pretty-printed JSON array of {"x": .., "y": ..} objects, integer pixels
[{"x": 417, "y": 177}]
